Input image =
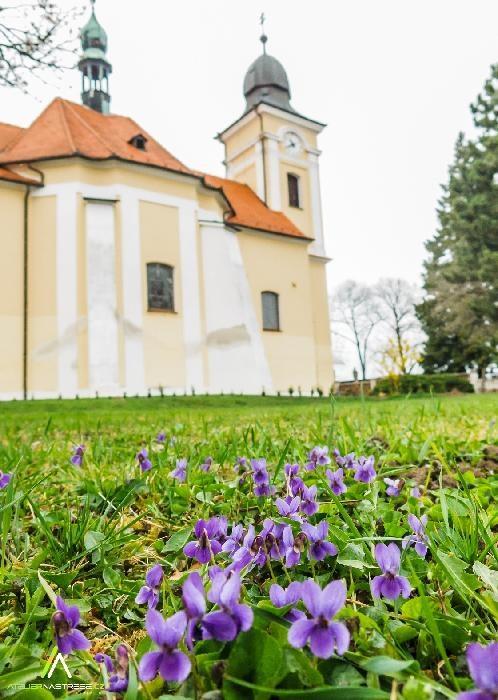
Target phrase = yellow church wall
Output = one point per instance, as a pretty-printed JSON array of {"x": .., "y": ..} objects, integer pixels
[
  {"x": 301, "y": 216},
  {"x": 42, "y": 326},
  {"x": 162, "y": 330},
  {"x": 11, "y": 287},
  {"x": 281, "y": 265},
  {"x": 273, "y": 124},
  {"x": 109, "y": 173},
  {"x": 243, "y": 138},
  {"x": 321, "y": 324},
  {"x": 248, "y": 177}
]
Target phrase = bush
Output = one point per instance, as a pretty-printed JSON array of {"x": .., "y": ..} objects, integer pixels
[{"x": 424, "y": 384}]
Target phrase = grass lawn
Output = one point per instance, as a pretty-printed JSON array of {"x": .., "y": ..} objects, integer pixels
[{"x": 90, "y": 533}]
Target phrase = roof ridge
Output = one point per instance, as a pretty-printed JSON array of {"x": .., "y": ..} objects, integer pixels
[
  {"x": 15, "y": 126},
  {"x": 65, "y": 124},
  {"x": 70, "y": 106}
]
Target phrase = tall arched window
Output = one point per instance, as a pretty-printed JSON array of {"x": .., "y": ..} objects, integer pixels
[
  {"x": 160, "y": 287},
  {"x": 271, "y": 315},
  {"x": 293, "y": 187}
]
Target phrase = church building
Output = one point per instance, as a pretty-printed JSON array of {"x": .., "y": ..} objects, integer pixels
[{"x": 125, "y": 271}]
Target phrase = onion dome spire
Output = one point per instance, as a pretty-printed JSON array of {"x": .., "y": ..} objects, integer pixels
[
  {"x": 266, "y": 80},
  {"x": 94, "y": 66}
]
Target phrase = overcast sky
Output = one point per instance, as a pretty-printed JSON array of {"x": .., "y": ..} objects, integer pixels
[{"x": 393, "y": 80}]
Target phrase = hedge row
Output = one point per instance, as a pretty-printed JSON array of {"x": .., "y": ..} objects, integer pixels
[{"x": 423, "y": 383}]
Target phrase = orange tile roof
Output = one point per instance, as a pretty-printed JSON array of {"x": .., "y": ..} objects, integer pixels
[
  {"x": 66, "y": 129},
  {"x": 250, "y": 211},
  {"x": 8, "y": 133},
  {"x": 11, "y": 176}
]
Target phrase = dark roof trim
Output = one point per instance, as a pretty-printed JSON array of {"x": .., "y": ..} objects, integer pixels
[{"x": 268, "y": 104}]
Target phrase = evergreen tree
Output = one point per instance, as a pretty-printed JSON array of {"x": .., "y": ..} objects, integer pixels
[{"x": 460, "y": 311}]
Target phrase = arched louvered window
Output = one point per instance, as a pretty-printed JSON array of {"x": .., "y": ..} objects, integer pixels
[
  {"x": 160, "y": 287},
  {"x": 271, "y": 315}
]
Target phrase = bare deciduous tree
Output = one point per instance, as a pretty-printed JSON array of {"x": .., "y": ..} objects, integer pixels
[
  {"x": 35, "y": 36},
  {"x": 355, "y": 309},
  {"x": 397, "y": 299}
]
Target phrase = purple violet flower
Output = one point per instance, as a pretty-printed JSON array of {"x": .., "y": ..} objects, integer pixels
[
  {"x": 344, "y": 461},
  {"x": 294, "y": 482},
  {"x": 483, "y": 666},
  {"x": 118, "y": 675},
  {"x": 319, "y": 456},
  {"x": 336, "y": 481},
  {"x": 194, "y": 602},
  {"x": 293, "y": 546},
  {"x": 261, "y": 478},
  {"x": 272, "y": 534},
  {"x": 150, "y": 592},
  {"x": 233, "y": 616},
  {"x": 394, "y": 486},
  {"x": 280, "y": 597},
  {"x": 143, "y": 460},
  {"x": 161, "y": 437},
  {"x": 169, "y": 662},
  {"x": 320, "y": 547},
  {"x": 4, "y": 479},
  {"x": 416, "y": 492},
  {"x": 78, "y": 454},
  {"x": 419, "y": 538},
  {"x": 324, "y": 636},
  {"x": 65, "y": 620},
  {"x": 180, "y": 471},
  {"x": 289, "y": 507},
  {"x": 308, "y": 505},
  {"x": 234, "y": 540},
  {"x": 390, "y": 584},
  {"x": 364, "y": 470},
  {"x": 251, "y": 553},
  {"x": 207, "y": 464},
  {"x": 240, "y": 462},
  {"x": 206, "y": 546}
]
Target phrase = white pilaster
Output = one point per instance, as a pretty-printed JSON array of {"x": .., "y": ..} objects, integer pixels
[
  {"x": 260, "y": 172},
  {"x": 132, "y": 293},
  {"x": 318, "y": 245},
  {"x": 191, "y": 308},
  {"x": 273, "y": 169},
  {"x": 66, "y": 286}
]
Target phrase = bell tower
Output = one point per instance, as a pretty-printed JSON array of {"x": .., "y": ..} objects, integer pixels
[
  {"x": 273, "y": 148},
  {"x": 94, "y": 66}
]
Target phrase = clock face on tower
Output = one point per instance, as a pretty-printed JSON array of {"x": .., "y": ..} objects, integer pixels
[{"x": 292, "y": 143}]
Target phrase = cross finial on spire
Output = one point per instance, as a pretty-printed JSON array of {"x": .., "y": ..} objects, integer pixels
[{"x": 263, "y": 38}]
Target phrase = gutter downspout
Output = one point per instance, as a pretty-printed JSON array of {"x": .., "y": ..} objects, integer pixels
[
  {"x": 25, "y": 297},
  {"x": 263, "y": 155}
]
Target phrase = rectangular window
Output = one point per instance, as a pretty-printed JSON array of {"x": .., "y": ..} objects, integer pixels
[
  {"x": 293, "y": 187},
  {"x": 160, "y": 289},
  {"x": 271, "y": 318}
]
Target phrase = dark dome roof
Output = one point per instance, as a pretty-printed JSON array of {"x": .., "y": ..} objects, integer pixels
[
  {"x": 266, "y": 81},
  {"x": 93, "y": 35}
]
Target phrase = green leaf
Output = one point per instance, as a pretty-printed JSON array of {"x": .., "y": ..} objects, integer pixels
[
  {"x": 111, "y": 577},
  {"x": 33, "y": 694},
  {"x": 48, "y": 590},
  {"x": 298, "y": 662},
  {"x": 178, "y": 540},
  {"x": 352, "y": 555},
  {"x": 488, "y": 577},
  {"x": 258, "y": 657},
  {"x": 385, "y": 665},
  {"x": 92, "y": 539},
  {"x": 325, "y": 692}
]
